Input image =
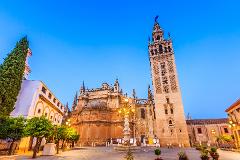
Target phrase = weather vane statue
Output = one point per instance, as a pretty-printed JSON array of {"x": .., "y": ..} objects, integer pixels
[{"x": 156, "y": 18}]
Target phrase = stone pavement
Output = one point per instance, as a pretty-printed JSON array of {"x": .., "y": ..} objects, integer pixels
[{"x": 103, "y": 153}]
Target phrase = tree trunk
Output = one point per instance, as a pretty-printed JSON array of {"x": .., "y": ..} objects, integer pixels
[
  {"x": 72, "y": 144},
  {"x": 36, "y": 148},
  {"x": 57, "y": 145},
  {"x": 63, "y": 145},
  {"x": 10, "y": 151}
]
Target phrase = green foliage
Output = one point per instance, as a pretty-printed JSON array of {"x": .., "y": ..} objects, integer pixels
[
  {"x": 204, "y": 155},
  {"x": 39, "y": 127},
  {"x": 129, "y": 155},
  {"x": 157, "y": 152},
  {"x": 213, "y": 149},
  {"x": 182, "y": 155},
  {"x": 12, "y": 128},
  {"x": 11, "y": 75}
]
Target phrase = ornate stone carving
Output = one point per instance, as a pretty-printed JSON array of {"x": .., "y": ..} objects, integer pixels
[
  {"x": 170, "y": 67},
  {"x": 173, "y": 83}
]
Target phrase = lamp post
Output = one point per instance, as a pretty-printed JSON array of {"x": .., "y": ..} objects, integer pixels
[
  {"x": 68, "y": 123},
  {"x": 126, "y": 110}
]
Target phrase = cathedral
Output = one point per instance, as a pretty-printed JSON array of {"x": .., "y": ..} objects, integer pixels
[
  {"x": 159, "y": 118},
  {"x": 96, "y": 117}
]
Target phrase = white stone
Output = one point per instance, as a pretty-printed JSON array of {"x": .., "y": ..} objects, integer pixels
[{"x": 49, "y": 149}]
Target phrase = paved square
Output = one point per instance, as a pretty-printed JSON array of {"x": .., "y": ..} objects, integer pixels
[{"x": 104, "y": 153}]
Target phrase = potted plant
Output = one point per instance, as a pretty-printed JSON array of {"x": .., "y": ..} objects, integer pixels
[
  {"x": 204, "y": 155},
  {"x": 213, "y": 153},
  {"x": 182, "y": 155},
  {"x": 158, "y": 153}
]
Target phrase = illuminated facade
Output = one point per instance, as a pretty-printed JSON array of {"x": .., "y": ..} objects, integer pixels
[
  {"x": 170, "y": 126},
  {"x": 97, "y": 120},
  {"x": 234, "y": 121}
]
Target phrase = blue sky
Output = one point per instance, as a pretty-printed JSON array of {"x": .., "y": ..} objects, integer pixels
[{"x": 97, "y": 41}]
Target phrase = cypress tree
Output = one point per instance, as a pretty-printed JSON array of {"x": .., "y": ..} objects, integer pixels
[{"x": 11, "y": 75}]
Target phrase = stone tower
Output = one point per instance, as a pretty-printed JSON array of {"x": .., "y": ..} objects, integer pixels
[{"x": 170, "y": 125}]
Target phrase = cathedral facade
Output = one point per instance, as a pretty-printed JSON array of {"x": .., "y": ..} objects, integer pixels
[
  {"x": 159, "y": 118},
  {"x": 96, "y": 117}
]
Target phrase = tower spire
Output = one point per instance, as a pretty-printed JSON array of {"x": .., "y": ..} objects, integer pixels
[
  {"x": 150, "y": 97},
  {"x": 75, "y": 101},
  {"x": 116, "y": 87},
  {"x": 134, "y": 94}
]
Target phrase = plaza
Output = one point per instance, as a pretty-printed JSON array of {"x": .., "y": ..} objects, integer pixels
[{"x": 108, "y": 153}]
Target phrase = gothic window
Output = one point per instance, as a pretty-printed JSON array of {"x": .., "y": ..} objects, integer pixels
[
  {"x": 168, "y": 101},
  {"x": 170, "y": 123},
  {"x": 166, "y": 111},
  {"x": 165, "y": 80},
  {"x": 158, "y": 37},
  {"x": 171, "y": 110},
  {"x": 163, "y": 65},
  {"x": 142, "y": 113},
  {"x": 152, "y": 53},
  {"x": 160, "y": 48},
  {"x": 155, "y": 51},
  {"x": 54, "y": 100},
  {"x": 199, "y": 130},
  {"x": 226, "y": 130},
  {"x": 166, "y": 88},
  {"x": 163, "y": 72},
  {"x": 165, "y": 49},
  {"x": 169, "y": 49},
  {"x": 39, "y": 110}
]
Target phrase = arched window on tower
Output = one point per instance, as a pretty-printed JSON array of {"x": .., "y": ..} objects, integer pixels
[
  {"x": 142, "y": 113},
  {"x": 165, "y": 49},
  {"x": 169, "y": 49},
  {"x": 160, "y": 48},
  {"x": 166, "y": 110},
  {"x": 158, "y": 37},
  {"x": 171, "y": 110},
  {"x": 152, "y": 53},
  {"x": 170, "y": 123}
]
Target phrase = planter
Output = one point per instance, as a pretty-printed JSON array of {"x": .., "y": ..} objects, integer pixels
[
  {"x": 49, "y": 149},
  {"x": 182, "y": 158},
  {"x": 215, "y": 156},
  {"x": 204, "y": 158}
]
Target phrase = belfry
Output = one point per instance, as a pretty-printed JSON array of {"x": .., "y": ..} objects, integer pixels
[{"x": 170, "y": 126}]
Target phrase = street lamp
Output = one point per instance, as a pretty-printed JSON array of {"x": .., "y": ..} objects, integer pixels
[
  {"x": 68, "y": 123},
  {"x": 126, "y": 110},
  {"x": 231, "y": 124}
]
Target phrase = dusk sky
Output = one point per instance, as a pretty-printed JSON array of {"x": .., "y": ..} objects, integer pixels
[{"x": 98, "y": 41}]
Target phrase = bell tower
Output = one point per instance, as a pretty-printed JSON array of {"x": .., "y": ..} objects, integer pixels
[{"x": 170, "y": 125}]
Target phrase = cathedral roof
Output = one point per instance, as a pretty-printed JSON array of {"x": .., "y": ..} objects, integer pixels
[{"x": 206, "y": 121}]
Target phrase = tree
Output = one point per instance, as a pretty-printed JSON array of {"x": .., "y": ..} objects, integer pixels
[
  {"x": 60, "y": 134},
  {"x": 74, "y": 138},
  {"x": 38, "y": 127},
  {"x": 11, "y": 75},
  {"x": 12, "y": 128}
]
